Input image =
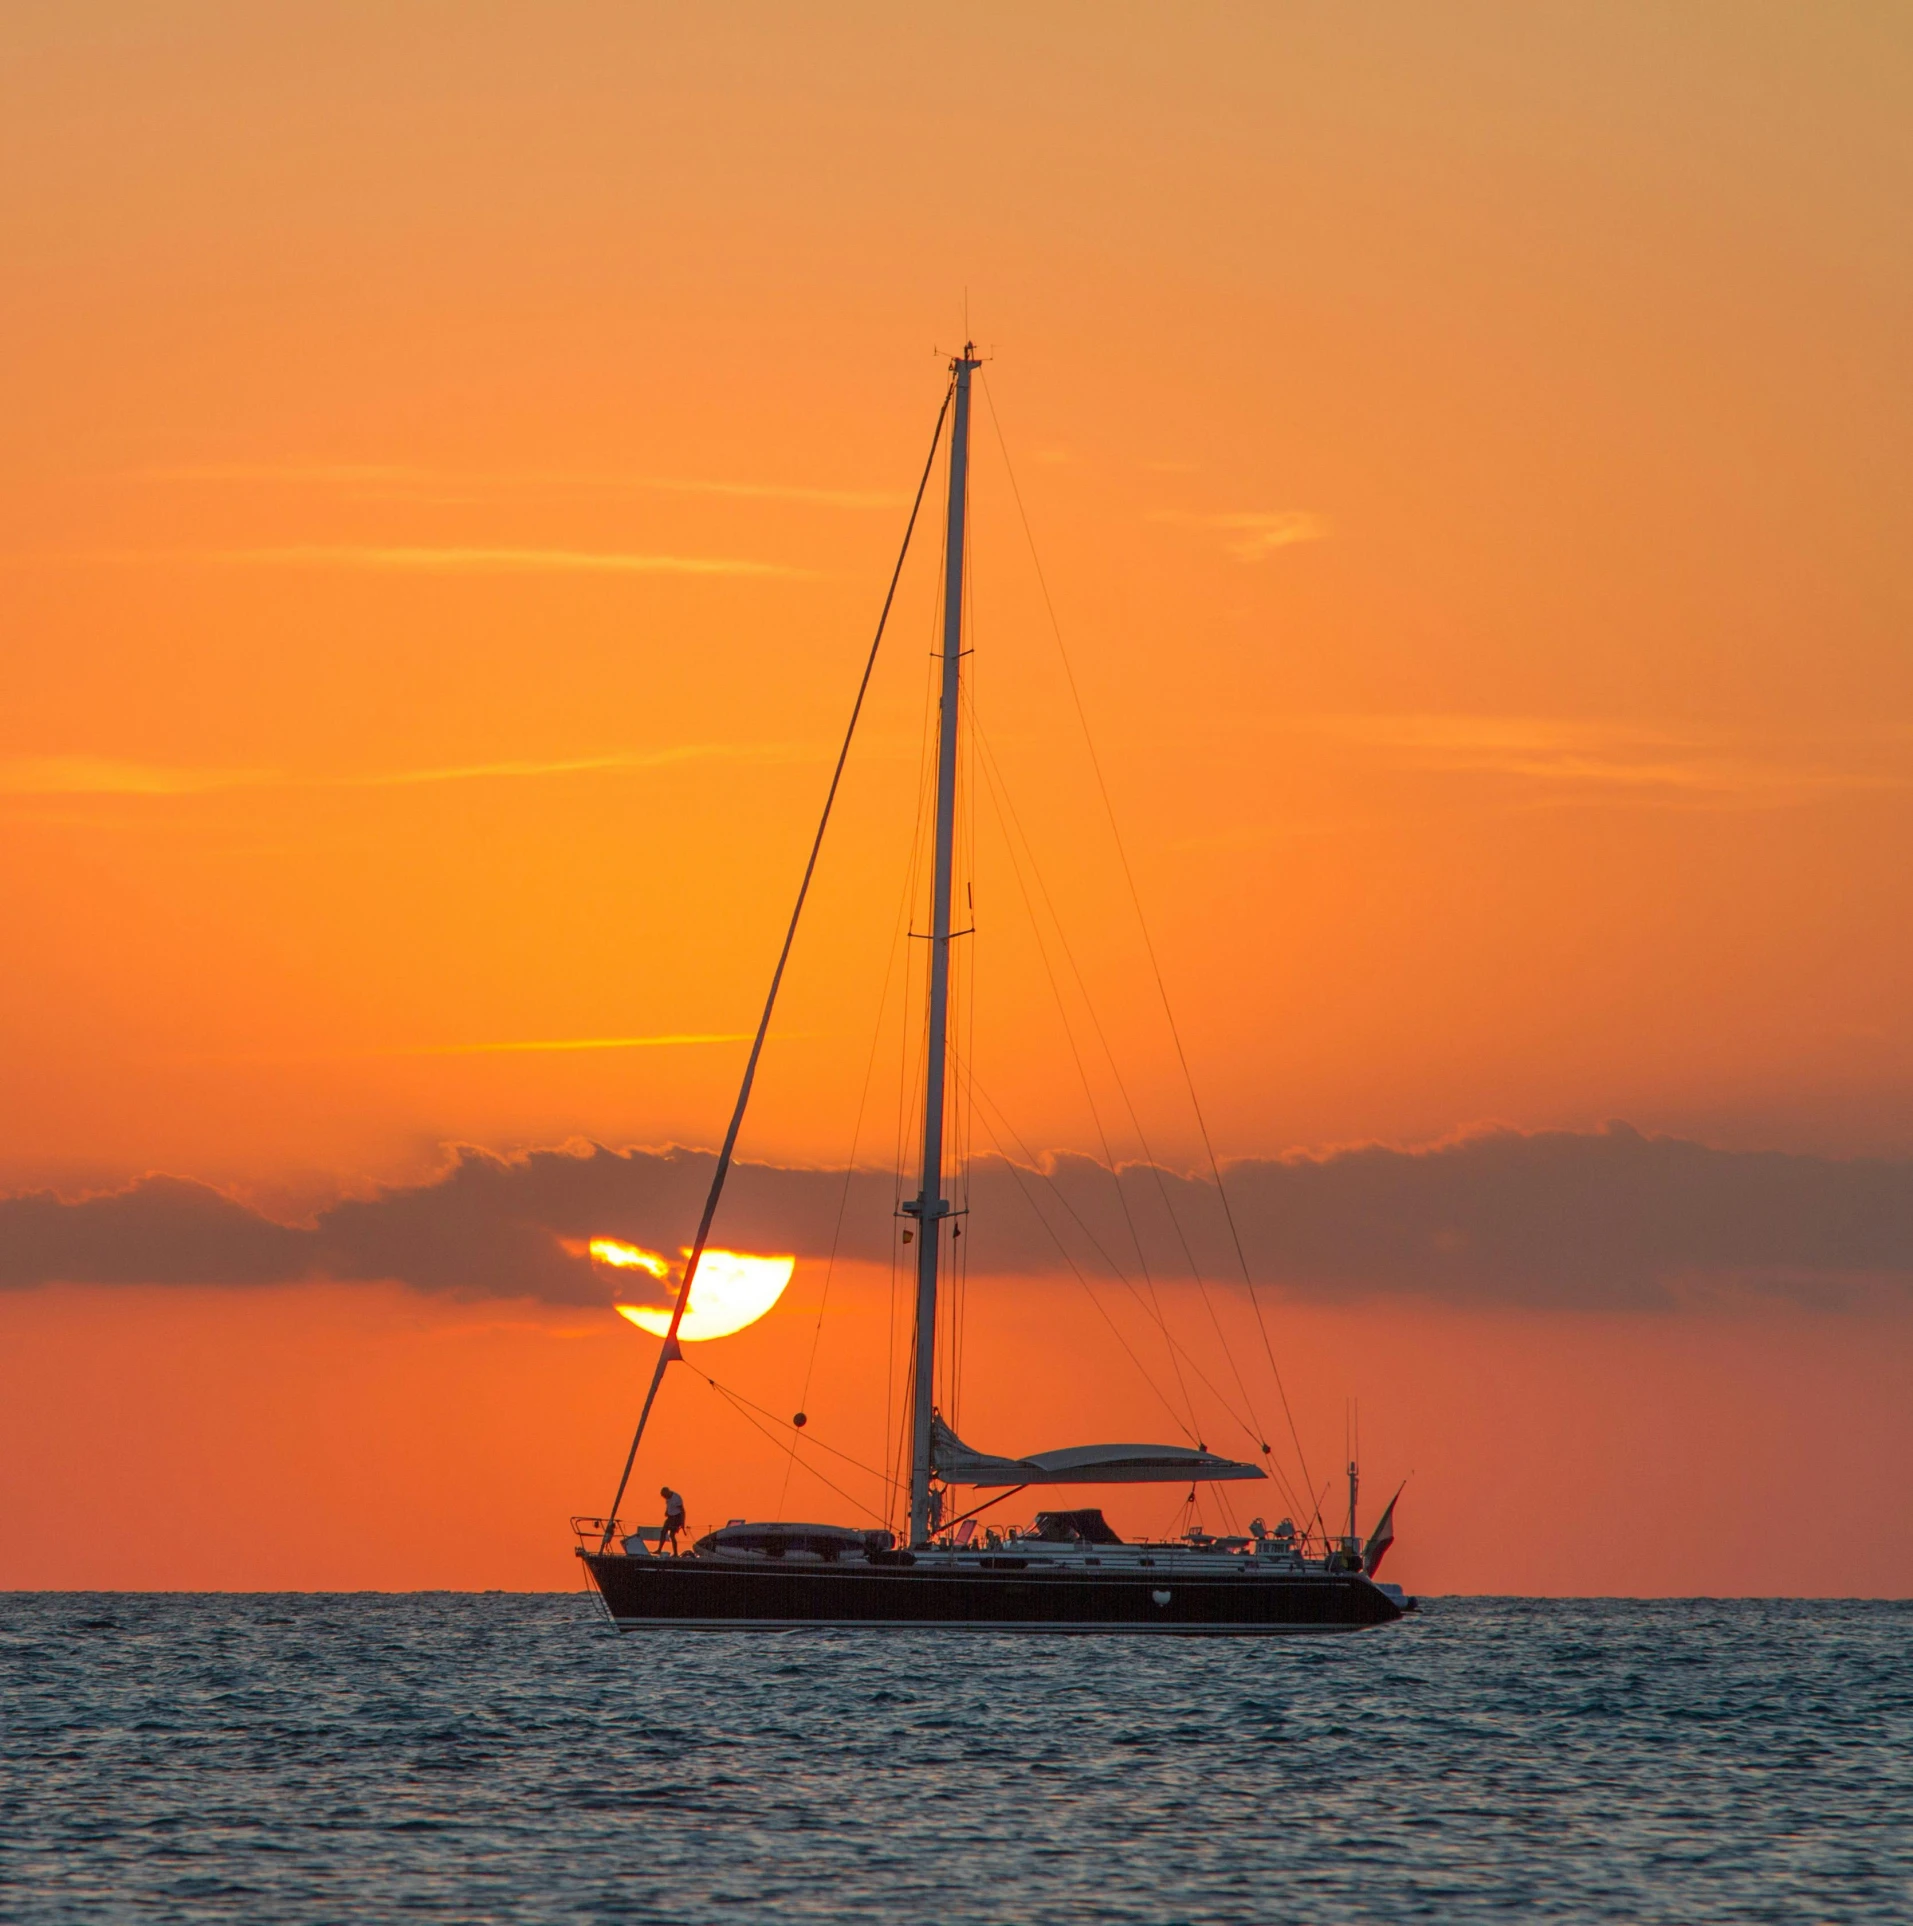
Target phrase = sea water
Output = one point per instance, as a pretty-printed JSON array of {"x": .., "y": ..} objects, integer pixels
[{"x": 445, "y": 1757}]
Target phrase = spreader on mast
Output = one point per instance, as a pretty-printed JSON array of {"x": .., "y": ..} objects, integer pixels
[{"x": 930, "y": 1207}]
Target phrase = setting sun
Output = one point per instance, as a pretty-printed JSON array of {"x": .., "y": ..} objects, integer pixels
[{"x": 732, "y": 1290}]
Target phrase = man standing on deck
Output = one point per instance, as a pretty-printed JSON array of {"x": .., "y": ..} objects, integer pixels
[{"x": 673, "y": 1518}]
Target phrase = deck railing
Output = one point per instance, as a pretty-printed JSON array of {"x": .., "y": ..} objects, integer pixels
[{"x": 590, "y": 1532}]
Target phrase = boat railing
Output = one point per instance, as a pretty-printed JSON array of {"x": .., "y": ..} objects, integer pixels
[{"x": 591, "y": 1532}]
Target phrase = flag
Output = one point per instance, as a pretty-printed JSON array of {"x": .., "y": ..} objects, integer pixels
[{"x": 1382, "y": 1536}]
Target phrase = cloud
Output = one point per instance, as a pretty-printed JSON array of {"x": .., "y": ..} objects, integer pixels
[
  {"x": 162, "y": 1230},
  {"x": 579, "y": 1043},
  {"x": 1555, "y": 1219},
  {"x": 618, "y": 760},
  {"x": 105, "y": 776},
  {"x": 462, "y": 560},
  {"x": 1257, "y": 533},
  {"x": 388, "y": 478},
  {"x": 1610, "y": 758}
]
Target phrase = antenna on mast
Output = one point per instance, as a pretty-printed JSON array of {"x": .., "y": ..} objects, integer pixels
[{"x": 1354, "y": 1468}]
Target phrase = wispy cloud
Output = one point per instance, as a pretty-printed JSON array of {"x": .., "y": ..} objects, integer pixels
[
  {"x": 666, "y": 1042},
  {"x": 100, "y": 776},
  {"x": 460, "y": 560},
  {"x": 1255, "y": 534},
  {"x": 388, "y": 478},
  {"x": 566, "y": 766},
  {"x": 1609, "y": 756},
  {"x": 103, "y": 776}
]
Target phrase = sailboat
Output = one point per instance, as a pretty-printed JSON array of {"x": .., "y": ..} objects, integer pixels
[{"x": 1068, "y": 1572}]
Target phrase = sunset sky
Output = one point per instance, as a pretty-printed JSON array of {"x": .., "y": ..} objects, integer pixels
[{"x": 453, "y": 461}]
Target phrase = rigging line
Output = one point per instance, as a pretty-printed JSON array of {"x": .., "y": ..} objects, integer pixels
[
  {"x": 857, "y": 1464},
  {"x": 992, "y": 763},
  {"x": 966, "y": 1098},
  {"x": 856, "y": 1133},
  {"x": 962, "y": 1101},
  {"x": 669, "y": 1347},
  {"x": 906, "y": 1077},
  {"x": 907, "y": 1073},
  {"x": 1142, "y": 922},
  {"x": 889, "y": 1383},
  {"x": 962, "y": 1020},
  {"x": 812, "y": 1469},
  {"x": 1002, "y": 802},
  {"x": 1089, "y": 1005},
  {"x": 1169, "y": 1337},
  {"x": 1034, "y": 1165},
  {"x": 1030, "y": 1163},
  {"x": 1000, "y": 1498},
  {"x": 911, "y": 1069},
  {"x": 1076, "y": 1271},
  {"x": 993, "y": 783},
  {"x": 919, "y": 841},
  {"x": 898, "y": 1483},
  {"x": 850, "y": 1170},
  {"x": 843, "y": 1199}
]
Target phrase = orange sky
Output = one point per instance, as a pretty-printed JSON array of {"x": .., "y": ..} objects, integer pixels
[
  {"x": 452, "y": 464},
  {"x": 336, "y": 1437}
]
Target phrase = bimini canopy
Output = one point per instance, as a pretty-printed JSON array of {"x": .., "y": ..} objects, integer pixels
[{"x": 1112, "y": 1464}]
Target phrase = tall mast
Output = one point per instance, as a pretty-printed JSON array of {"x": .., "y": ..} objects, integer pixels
[{"x": 930, "y": 1207}]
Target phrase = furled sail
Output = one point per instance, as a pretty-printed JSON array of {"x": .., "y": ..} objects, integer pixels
[{"x": 1109, "y": 1464}]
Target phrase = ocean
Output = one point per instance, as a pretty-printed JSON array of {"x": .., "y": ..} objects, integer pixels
[{"x": 364, "y": 1758}]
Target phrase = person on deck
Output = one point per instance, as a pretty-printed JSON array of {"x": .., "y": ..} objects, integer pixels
[{"x": 673, "y": 1518}]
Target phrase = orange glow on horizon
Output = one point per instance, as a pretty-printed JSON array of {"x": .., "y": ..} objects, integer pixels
[{"x": 298, "y": 1437}]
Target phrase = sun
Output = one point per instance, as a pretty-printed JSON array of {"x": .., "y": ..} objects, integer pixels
[{"x": 733, "y": 1289}]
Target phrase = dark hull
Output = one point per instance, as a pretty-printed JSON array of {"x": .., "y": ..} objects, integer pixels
[{"x": 724, "y": 1594}]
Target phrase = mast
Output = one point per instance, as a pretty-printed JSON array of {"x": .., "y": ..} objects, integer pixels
[{"x": 929, "y": 1207}]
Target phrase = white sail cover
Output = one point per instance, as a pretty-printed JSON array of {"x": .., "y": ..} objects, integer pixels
[{"x": 1109, "y": 1464}]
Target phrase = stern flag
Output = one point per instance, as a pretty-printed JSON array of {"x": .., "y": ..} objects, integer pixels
[{"x": 1382, "y": 1536}]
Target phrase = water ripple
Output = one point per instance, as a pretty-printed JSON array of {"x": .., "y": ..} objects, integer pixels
[{"x": 376, "y": 1758}]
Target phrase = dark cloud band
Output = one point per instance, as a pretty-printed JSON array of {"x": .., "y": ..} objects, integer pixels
[{"x": 1607, "y": 1219}]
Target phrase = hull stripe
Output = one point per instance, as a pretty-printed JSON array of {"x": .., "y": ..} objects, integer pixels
[{"x": 708, "y": 1595}]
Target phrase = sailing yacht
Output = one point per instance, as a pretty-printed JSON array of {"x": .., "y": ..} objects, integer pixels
[{"x": 1069, "y": 1571}]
